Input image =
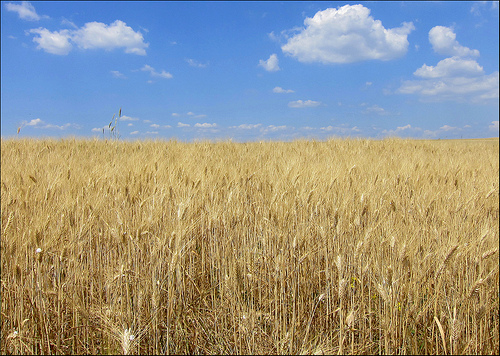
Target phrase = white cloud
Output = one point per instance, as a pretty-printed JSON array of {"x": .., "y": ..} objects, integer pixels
[
  {"x": 118, "y": 34},
  {"x": 197, "y": 64},
  {"x": 273, "y": 128},
  {"x": 134, "y": 132},
  {"x": 375, "y": 109},
  {"x": 402, "y": 130},
  {"x": 493, "y": 126},
  {"x": 155, "y": 126},
  {"x": 271, "y": 65},
  {"x": 39, "y": 123},
  {"x": 246, "y": 126},
  {"x": 450, "y": 67},
  {"x": 474, "y": 89},
  {"x": 93, "y": 35},
  {"x": 205, "y": 125},
  {"x": 190, "y": 113},
  {"x": 25, "y": 10},
  {"x": 69, "y": 23},
  {"x": 117, "y": 74},
  {"x": 180, "y": 124},
  {"x": 449, "y": 128},
  {"x": 152, "y": 132},
  {"x": 128, "y": 118},
  {"x": 281, "y": 90},
  {"x": 342, "y": 130},
  {"x": 163, "y": 74},
  {"x": 454, "y": 78},
  {"x": 347, "y": 34},
  {"x": 443, "y": 41},
  {"x": 34, "y": 122},
  {"x": 52, "y": 42},
  {"x": 175, "y": 114},
  {"x": 303, "y": 104}
]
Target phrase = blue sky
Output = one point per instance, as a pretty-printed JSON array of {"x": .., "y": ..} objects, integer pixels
[{"x": 250, "y": 70}]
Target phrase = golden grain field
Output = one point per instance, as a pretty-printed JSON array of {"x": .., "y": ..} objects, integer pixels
[{"x": 349, "y": 246}]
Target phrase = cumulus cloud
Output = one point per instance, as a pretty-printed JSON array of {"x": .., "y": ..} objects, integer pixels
[
  {"x": 33, "y": 122},
  {"x": 205, "y": 125},
  {"x": 456, "y": 78},
  {"x": 271, "y": 65},
  {"x": 443, "y": 41},
  {"x": 281, "y": 90},
  {"x": 347, "y": 34},
  {"x": 25, "y": 10},
  {"x": 493, "y": 126},
  {"x": 449, "y": 67},
  {"x": 303, "y": 104},
  {"x": 56, "y": 42},
  {"x": 154, "y": 73},
  {"x": 93, "y": 35},
  {"x": 457, "y": 88},
  {"x": 180, "y": 124}
]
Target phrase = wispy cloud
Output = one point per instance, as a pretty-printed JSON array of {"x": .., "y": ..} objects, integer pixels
[
  {"x": 25, "y": 10},
  {"x": 180, "y": 124},
  {"x": 341, "y": 130},
  {"x": 375, "y": 109},
  {"x": 303, "y": 104},
  {"x": 246, "y": 126},
  {"x": 117, "y": 74},
  {"x": 162, "y": 74},
  {"x": 194, "y": 63},
  {"x": 128, "y": 118},
  {"x": 271, "y": 65},
  {"x": 406, "y": 130},
  {"x": 68, "y": 23},
  {"x": 281, "y": 90},
  {"x": 273, "y": 128},
  {"x": 39, "y": 123}
]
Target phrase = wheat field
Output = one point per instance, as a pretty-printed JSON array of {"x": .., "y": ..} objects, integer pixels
[{"x": 344, "y": 246}]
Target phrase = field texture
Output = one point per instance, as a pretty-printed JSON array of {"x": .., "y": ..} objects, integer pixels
[{"x": 342, "y": 246}]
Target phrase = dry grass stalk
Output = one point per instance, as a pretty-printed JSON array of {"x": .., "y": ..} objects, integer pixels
[{"x": 198, "y": 234}]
